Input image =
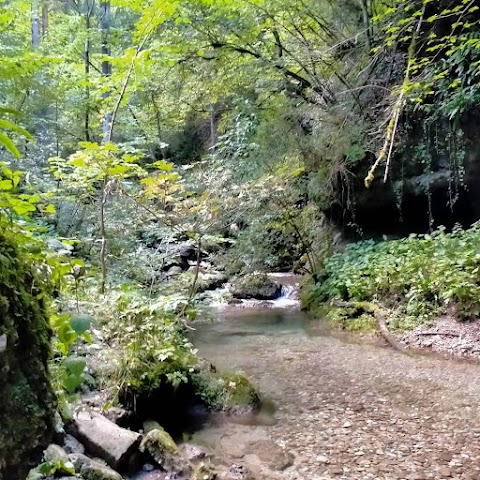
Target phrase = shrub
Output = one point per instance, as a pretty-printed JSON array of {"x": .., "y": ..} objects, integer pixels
[{"x": 420, "y": 274}]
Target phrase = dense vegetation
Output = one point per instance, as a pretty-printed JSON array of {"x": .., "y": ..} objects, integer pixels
[{"x": 153, "y": 150}]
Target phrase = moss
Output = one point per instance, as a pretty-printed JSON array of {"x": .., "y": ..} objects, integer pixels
[
  {"x": 26, "y": 400},
  {"x": 230, "y": 392}
]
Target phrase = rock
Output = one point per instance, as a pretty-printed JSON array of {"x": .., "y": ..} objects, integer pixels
[
  {"x": 149, "y": 425},
  {"x": 271, "y": 454},
  {"x": 174, "y": 270},
  {"x": 160, "y": 445},
  {"x": 204, "y": 471},
  {"x": 188, "y": 252},
  {"x": 106, "y": 440},
  {"x": 91, "y": 470},
  {"x": 118, "y": 415},
  {"x": 59, "y": 247},
  {"x": 55, "y": 453},
  {"x": 236, "y": 472},
  {"x": 257, "y": 286},
  {"x": 193, "y": 453},
  {"x": 72, "y": 445},
  {"x": 445, "y": 472}
]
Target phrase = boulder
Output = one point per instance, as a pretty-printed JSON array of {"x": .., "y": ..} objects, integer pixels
[
  {"x": 257, "y": 286},
  {"x": 92, "y": 470},
  {"x": 106, "y": 440},
  {"x": 72, "y": 445},
  {"x": 55, "y": 454},
  {"x": 160, "y": 445}
]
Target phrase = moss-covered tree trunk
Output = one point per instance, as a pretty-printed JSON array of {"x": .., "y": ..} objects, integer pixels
[{"x": 27, "y": 402}]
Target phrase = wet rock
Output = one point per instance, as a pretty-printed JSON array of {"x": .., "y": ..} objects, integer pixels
[
  {"x": 256, "y": 286},
  {"x": 160, "y": 445},
  {"x": 106, "y": 440},
  {"x": 235, "y": 472},
  {"x": 271, "y": 454},
  {"x": 204, "y": 471},
  {"x": 91, "y": 470},
  {"x": 193, "y": 453},
  {"x": 72, "y": 445},
  {"x": 445, "y": 472}
]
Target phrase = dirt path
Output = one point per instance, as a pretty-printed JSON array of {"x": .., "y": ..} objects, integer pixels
[{"x": 351, "y": 411}]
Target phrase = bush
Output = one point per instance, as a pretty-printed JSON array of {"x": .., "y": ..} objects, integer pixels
[{"x": 420, "y": 274}]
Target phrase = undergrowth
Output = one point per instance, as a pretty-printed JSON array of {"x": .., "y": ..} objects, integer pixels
[{"x": 416, "y": 278}]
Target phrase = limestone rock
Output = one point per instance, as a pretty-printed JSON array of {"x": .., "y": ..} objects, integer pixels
[
  {"x": 257, "y": 286},
  {"x": 160, "y": 445},
  {"x": 55, "y": 453},
  {"x": 106, "y": 440},
  {"x": 91, "y": 470},
  {"x": 72, "y": 445}
]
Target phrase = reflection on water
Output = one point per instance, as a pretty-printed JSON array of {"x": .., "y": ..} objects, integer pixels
[{"x": 230, "y": 326}]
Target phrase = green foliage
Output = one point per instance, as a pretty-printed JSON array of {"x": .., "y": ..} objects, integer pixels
[
  {"x": 419, "y": 276},
  {"x": 154, "y": 349},
  {"x": 231, "y": 392}
]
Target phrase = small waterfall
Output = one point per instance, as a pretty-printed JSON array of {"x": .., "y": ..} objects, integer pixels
[{"x": 290, "y": 296}]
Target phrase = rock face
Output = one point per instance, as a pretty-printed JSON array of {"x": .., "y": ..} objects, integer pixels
[
  {"x": 257, "y": 286},
  {"x": 116, "y": 445},
  {"x": 27, "y": 403}
]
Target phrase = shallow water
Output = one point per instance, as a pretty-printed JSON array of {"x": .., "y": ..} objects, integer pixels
[{"x": 344, "y": 409}]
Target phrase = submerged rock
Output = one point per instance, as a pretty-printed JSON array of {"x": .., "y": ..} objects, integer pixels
[{"x": 116, "y": 445}]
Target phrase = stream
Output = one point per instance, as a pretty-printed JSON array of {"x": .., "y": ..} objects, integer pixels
[{"x": 339, "y": 408}]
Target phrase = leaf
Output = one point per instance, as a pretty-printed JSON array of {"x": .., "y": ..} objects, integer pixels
[
  {"x": 50, "y": 209},
  {"x": 81, "y": 323},
  {"x": 6, "y": 142},
  {"x": 72, "y": 382},
  {"x": 6, "y": 125},
  {"x": 75, "y": 365},
  {"x": 66, "y": 334},
  {"x": 163, "y": 165},
  {"x": 117, "y": 170}
]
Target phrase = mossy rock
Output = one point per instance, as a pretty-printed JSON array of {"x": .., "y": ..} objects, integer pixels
[
  {"x": 27, "y": 403},
  {"x": 257, "y": 286},
  {"x": 228, "y": 392},
  {"x": 160, "y": 445}
]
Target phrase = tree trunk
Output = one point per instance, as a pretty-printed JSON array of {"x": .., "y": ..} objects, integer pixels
[
  {"x": 88, "y": 13},
  {"x": 45, "y": 19},
  {"x": 35, "y": 24},
  {"x": 105, "y": 23}
]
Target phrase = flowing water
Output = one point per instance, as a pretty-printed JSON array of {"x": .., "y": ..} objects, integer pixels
[{"x": 341, "y": 409}]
